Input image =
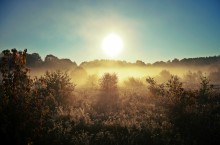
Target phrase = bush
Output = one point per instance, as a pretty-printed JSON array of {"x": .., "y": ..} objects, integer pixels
[{"x": 108, "y": 97}]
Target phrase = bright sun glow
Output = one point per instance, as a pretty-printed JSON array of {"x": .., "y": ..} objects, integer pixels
[{"x": 112, "y": 45}]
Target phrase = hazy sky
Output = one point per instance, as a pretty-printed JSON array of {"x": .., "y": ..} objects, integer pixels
[{"x": 152, "y": 30}]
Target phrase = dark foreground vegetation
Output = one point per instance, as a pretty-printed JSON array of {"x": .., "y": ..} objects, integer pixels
[{"x": 50, "y": 110}]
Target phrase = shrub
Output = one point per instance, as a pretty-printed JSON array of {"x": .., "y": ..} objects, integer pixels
[{"x": 108, "y": 96}]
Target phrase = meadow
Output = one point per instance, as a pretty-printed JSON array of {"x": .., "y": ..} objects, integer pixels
[{"x": 159, "y": 108}]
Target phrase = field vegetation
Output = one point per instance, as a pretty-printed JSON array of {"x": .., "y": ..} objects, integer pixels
[{"x": 161, "y": 109}]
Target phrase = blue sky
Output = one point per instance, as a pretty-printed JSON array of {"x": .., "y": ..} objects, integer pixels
[{"x": 152, "y": 30}]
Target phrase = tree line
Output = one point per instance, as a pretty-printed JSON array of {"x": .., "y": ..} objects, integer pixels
[{"x": 35, "y": 60}]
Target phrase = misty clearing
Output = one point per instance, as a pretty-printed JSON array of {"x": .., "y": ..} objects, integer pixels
[{"x": 106, "y": 102}]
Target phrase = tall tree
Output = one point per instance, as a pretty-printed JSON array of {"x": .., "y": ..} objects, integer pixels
[{"x": 15, "y": 97}]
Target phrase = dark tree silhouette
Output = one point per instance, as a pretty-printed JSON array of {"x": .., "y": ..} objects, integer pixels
[
  {"x": 108, "y": 97},
  {"x": 15, "y": 98}
]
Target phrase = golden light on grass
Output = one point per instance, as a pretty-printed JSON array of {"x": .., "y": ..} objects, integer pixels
[{"x": 112, "y": 45}]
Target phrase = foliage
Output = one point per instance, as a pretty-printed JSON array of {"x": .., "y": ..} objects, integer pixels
[
  {"x": 154, "y": 88},
  {"x": 133, "y": 82},
  {"x": 54, "y": 92},
  {"x": 50, "y": 110},
  {"x": 108, "y": 83},
  {"x": 15, "y": 98},
  {"x": 194, "y": 114},
  {"x": 92, "y": 81},
  {"x": 191, "y": 80},
  {"x": 56, "y": 84},
  {"x": 108, "y": 96}
]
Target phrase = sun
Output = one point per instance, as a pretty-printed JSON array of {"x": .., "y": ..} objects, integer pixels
[{"x": 112, "y": 45}]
